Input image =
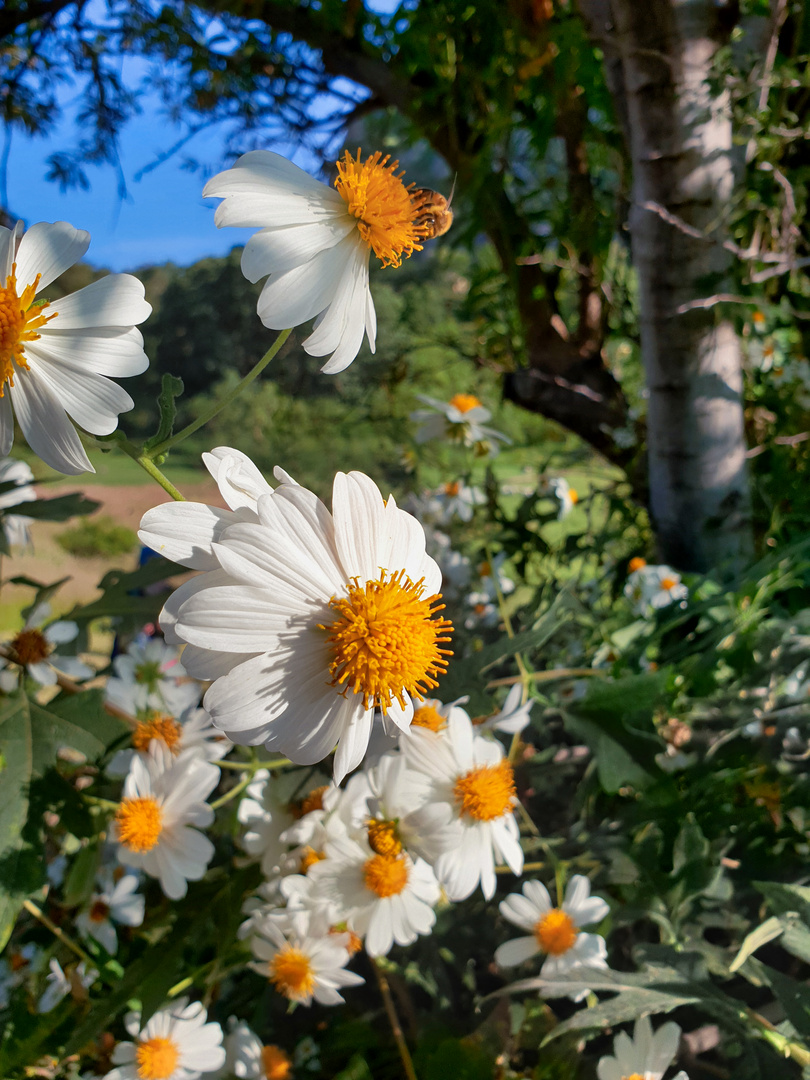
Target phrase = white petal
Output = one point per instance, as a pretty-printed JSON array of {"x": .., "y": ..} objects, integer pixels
[
  {"x": 101, "y": 349},
  {"x": 302, "y": 293},
  {"x": 114, "y": 300},
  {"x": 516, "y": 951},
  {"x": 6, "y": 423},
  {"x": 274, "y": 251},
  {"x": 265, "y": 189},
  {"x": 49, "y": 250},
  {"x": 184, "y": 532},
  {"x": 92, "y": 400},
  {"x": 46, "y": 427}
]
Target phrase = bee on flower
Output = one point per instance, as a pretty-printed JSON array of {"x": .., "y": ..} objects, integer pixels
[
  {"x": 462, "y": 419},
  {"x": 55, "y": 357},
  {"x": 314, "y": 242}
]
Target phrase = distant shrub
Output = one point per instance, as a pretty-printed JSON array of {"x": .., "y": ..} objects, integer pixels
[{"x": 99, "y": 538}]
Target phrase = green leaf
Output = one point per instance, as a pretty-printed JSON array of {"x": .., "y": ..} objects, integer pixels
[
  {"x": 357, "y": 1069},
  {"x": 170, "y": 390},
  {"x": 81, "y": 877},
  {"x": 60, "y": 508},
  {"x": 30, "y": 738},
  {"x": 769, "y": 930},
  {"x": 120, "y": 589},
  {"x": 793, "y": 996},
  {"x": 787, "y": 898}
]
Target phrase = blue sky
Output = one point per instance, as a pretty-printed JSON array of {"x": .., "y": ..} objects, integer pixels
[{"x": 165, "y": 217}]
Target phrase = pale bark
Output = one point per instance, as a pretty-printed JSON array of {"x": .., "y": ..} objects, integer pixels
[{"x": 684, "y": 175}]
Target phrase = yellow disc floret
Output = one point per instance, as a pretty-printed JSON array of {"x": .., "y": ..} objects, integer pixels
[
  {"x": 276, "y": 1065},
  {"x": 309, "y": 856},
  {"x": 18, "y": 324},
  {"x": 464, "y": 402},
  {"x": 157, "y": 726},
  {"x": 156, "y": 1058},
  {"x": 487, "y": 792},
  {"x": 291, "y": 973},
  {"x": 140, "y": 823},
  {"x": 386, "y": 216},
  {"x": 383, "y": 837},
  {"x": 386, "y": 875},
  {"x": 428, "y": 716},
  {"x": 30, "y": 647},
  {"x": 555, "y": 932},
  {"x": 313, "y": 801},
  {"x": 387, "y": 639}
]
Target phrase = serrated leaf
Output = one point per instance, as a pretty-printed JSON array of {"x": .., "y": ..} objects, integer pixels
[{"x": 30, "y": 738}]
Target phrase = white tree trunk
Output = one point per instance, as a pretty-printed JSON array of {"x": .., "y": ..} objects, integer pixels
[{"x": 684, "y": 176}]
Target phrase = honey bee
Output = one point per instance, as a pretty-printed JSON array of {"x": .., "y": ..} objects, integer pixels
[{"x": 435, "y": 216}]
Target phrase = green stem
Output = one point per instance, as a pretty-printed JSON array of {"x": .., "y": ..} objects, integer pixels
[
  {"x": 254, "y": 766},
  {"x": 146, "y": 463},
  {"x": 237, "y": 789},
  {"x": 220, "y": 404},
  {"x": 393, "y": 1019},
  {"x": 57, "y": 932}
]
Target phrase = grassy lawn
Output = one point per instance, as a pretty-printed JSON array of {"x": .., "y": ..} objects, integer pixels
[{"x": 115, "y": 469}]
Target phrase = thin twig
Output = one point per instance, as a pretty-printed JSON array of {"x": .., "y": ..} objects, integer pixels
[
  {"x": 393, "y": 1019},
  {"x": 57, "y": 932}
]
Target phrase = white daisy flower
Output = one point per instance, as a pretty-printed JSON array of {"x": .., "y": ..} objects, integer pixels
[
  {"x": 400, "y": 802},
  {"x": 54, "y": 357},
  {"x": 315, "y": 242},
  {"x": 650, "y": 588},
  {"x": 470, "y": 774},
  {"x": 384, "y": 895},
  {"x": 319, "y": 619},
  {"x": 561, "y": 490},
  {"x": 482, "y": 611},
  {"x": 247, "y": 1059},
  {"x": 493, "y": 579},
  {"x": 462, "y": 419},
  {"x": 264, "y": 816},
  {"x": 35, "y": 649},
  {"x": 555, "y": 931},
  {"x": 433, "y": 715},
  {"x": 16, "y": 526},
  {"x": 303, "y": 960},
  {"x": 646, "y": 1056},
  {"x": 163, "y": 798},
  {"x": 60, "y": 983},
  {"x": 457, "y": 499},
  {"x": 175, "y": 1044},
  {"x": 150, "y": 676},
  {"x": 16, "y": 964},
  {"x": 117, "y": 902},
  {"x": 512, "y": 717},
  {"x": 191, "y": 732}
]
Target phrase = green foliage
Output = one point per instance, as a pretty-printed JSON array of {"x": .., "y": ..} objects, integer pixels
[{"x": 102, "y": 537}]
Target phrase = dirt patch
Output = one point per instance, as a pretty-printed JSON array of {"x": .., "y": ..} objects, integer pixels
[{"x": 49, "y": 562}]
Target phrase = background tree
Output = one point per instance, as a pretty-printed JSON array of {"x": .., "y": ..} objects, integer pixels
[{"x": 557, "y": 156}]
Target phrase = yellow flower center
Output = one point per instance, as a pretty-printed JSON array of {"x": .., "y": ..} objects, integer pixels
[
  {"x": 452, "y": 488},
  {"x": 275, "y": 1063},
  {"x": 633, "y": 1076},
  {"x": 487, "y": 792},
  {"x": 309, "y": 857},
  {"x": 354, "y": 944},
  {"x": 429, "y": 717},
  {"x": 30, "y": 647},
  {"x": 555, "y": 932},
  {"x": 157, "y": 726},
  {"x": 383, "y": 837},
  {"x": 18, "y": 324},
  {"x": 140, "y": 823},
  {"x": 386, "y": 875},
  {"x": 572, "y": 495},
  {"x": 99, "y": 911},
  {"x": 464, "y": 402},
  {"x": 669, "y": 583},
  {"x": 386, "y": 215},
  {"x": 157, "y": 1058},
  {"x": 313, "y": 801},
  {"x": 636, "y": 564},
  {"x": 291, "y": 973},
  {"x": 386, "y": 640}
]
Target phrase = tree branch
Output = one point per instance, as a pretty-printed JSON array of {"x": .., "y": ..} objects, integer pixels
[{"x": 11, "y": 19}]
